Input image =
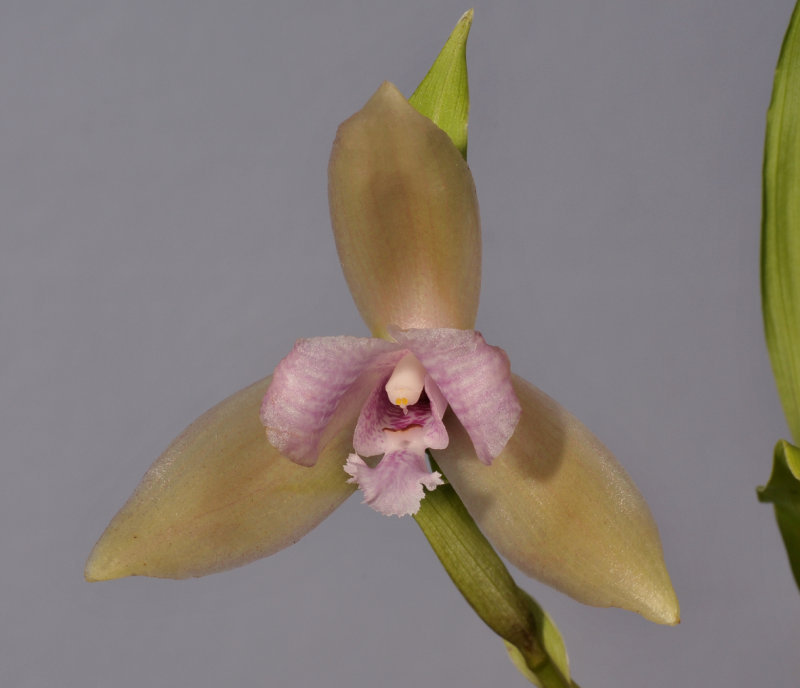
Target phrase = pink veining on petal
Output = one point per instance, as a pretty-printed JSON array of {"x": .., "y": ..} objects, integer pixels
[
  {"x": 379, "y": 416},
  {"x": 474, "y": 377},
  {"x": 438, "y": 402},
  {"x": 309, "y": 384},
  {"x": 394, "y": 486},
  {"x": 368, "y": 437}
]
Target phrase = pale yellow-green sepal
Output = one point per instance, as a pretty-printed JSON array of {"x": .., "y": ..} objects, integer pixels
[
  {"x": 221, "y": 496},
  {"x": 557, "y": 504},
  {"x": 405, "y": 218}
]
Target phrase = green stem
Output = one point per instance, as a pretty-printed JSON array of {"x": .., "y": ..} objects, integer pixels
[{"x": 484, "y": 581}]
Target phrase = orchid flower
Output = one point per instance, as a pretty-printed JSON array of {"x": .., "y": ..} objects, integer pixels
[{"x": 344, "y": 412}]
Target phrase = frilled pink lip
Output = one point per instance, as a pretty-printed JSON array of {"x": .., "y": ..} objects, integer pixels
[{"x": 461, "y": 370}]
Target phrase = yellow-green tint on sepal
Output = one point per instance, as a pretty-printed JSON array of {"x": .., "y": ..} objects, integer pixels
[
  {"x": 780, "y": 236},
  {"x": 443, "y": 95},
  {"x": 783, "y": 491},
  {"x": 220, "y": 496},
  {"x": 405, "y": 218},
  {"x": 559, "y": 506},
  {"x": 534, "y": 643}
]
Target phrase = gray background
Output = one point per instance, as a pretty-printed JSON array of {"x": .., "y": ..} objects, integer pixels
[{"x": 165, "y": 239}]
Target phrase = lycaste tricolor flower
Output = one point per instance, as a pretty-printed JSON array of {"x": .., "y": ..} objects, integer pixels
[{"x": 543, "y": 489}]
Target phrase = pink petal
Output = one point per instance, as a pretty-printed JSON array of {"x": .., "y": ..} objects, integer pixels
[
  {"x": 368, "y": 438},
  {"x": 394, "y": 486},
  {"x": 438, "y": 402},
  {"x": 474, "y": 377},
  {"x": 379, "y": 415},
  {"x": 309, "y": 384}
]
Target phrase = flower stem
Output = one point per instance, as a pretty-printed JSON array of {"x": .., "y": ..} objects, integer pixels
[{"x": 532, "y": 639}]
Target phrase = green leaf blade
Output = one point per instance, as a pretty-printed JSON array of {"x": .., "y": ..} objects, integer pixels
[
  {"x": 780, "y": 235},
  {"x": 443, "y": 95}
]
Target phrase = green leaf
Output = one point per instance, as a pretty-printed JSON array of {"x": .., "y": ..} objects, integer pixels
[
  {"x": 532, "y": 639},
  {"x": 780, "y": 280},
  {"x": 780, "y": 235},
  {"x": 783, "y": 490},
  {"x": 443, "y": 95}
]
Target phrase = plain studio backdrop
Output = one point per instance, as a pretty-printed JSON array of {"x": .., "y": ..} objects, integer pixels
[{"x": 165, "y": 238}]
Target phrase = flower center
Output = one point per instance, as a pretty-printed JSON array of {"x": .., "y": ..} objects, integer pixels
[{"x": 406, "y": 382}]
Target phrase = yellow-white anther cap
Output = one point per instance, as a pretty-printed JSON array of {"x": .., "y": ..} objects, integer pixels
[{"x": 406, "y": 383}]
